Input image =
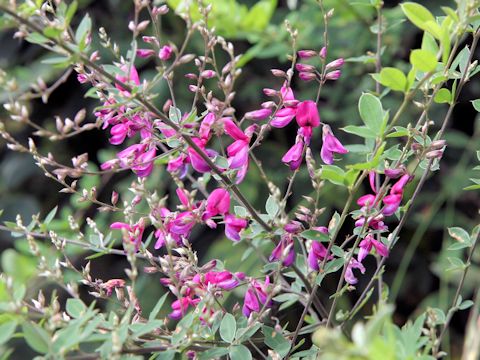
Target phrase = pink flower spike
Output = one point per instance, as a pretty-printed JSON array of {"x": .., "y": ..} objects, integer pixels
[
  {"x": 330, "y": 145},
  {"x": 260, "y": 114},
  {"x": 165, "y": 53}
]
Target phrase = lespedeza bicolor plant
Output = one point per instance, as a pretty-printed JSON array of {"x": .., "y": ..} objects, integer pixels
[{"x": 208, "y": 148}]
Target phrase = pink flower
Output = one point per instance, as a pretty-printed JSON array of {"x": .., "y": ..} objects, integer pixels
[
  {"x": 198, "y": 163},
  {"x": 180, "y": 306},
  {"x": 366, "y": 246},
  {"x": 284, "y": 116},
  {"x": 238, "y": 151},
  {"x": 293, "y": 157},
  {"x": 138, "y": 157},
  {"x": 256, "y": 295},
  {"x": 330, "y": 146},
  {"x": 317, "y": 251},
  {"x": 112, "y": 284},
  {"x": 393, "y": 200},
  {"x": 130, "y": 75},
  {"x": 218, "y": 202},
  {"x": 206, "y": 126},
  {"x": 284, "y": 251},
  {"x": 349, "y": 276},
  {"x": 224, "y": 280},
  {"x": 233, "y": 226},
  {"x": 165, "y": 53},
  {"x": 307, "y": 118},
  {"x": 135, "y": 232}
]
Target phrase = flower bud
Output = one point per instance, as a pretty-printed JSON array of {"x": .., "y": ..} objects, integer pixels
[
  {"x": 334, "y": 75},
  {"x": 278, "y": 73},
  {"x": 323, "y": 53},
  {"x": 307, "y": 76},
  {"x": 305, "y": 67},
  {"x": 335, "y": 64},
  {"x": 306, "y": 54}
]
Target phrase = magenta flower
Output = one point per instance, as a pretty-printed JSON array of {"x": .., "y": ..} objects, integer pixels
[
  {"x": 256, "y": 295},
  {"x": 233, "y": 226},
  {"x": 224, "y": 280},
  {"x": 294, "y": 156},
  {"x": 284, "y": 116},
  {"x": 138, "y": 157},
  {"x": 218, "y": 203},
  {"x": 238, "y": 151},
  {"x": 307, "y": 118},
  {"x": 130, "y": 75},
  {"x": 349, "y": 276},
  {"x": 284, "y": 251},
  {"x": 165, "y": 53},
  {"x": 366, "y": 246},
  {"x": 330, "y": 146},
  {"x": 180, "y": 306},
  {"x": 135, "y": 232},
  {"x": 198, "y": 163},
  {"x": 393, "y": 200},
  {"x": 317, "y": 251}
]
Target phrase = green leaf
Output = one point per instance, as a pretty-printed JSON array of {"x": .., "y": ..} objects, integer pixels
[
  {"x": 476, "y": 104},
  {"x": 36, "y": 38},
  {"x": 423, "y": 60},
  {"x": 228, "y": 326},
  {"x": 84, "y": 28},
  {"x": 372, "y": 113},
  {"x": 421, "y": 17},
  {"x": 392, "y": 78},
  {"x": 214, "y": 353},
  {"x": 443, "y": 96},
  {"x": 72, "y": 9},
  {"x": 276, "y": 341},
  {"x": 36, "y": 337},
  {"x": 75, "y": 308},
  {"x": 333, "y": 173},
  {"x": 465, "y": 305},
  {"x": 157, "y": 307},
  {"x": 50, "y": 215},
  {"x": 429, "y": 43},
  {"x": 6, "y": 331},
  {"x": 271, "y": 206},
  {"x": 240, "y": 352},
  {"x": 315, "y": 235},
  {"x": 361, "y": 131},
  {"x": 460, "y": 235}
]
